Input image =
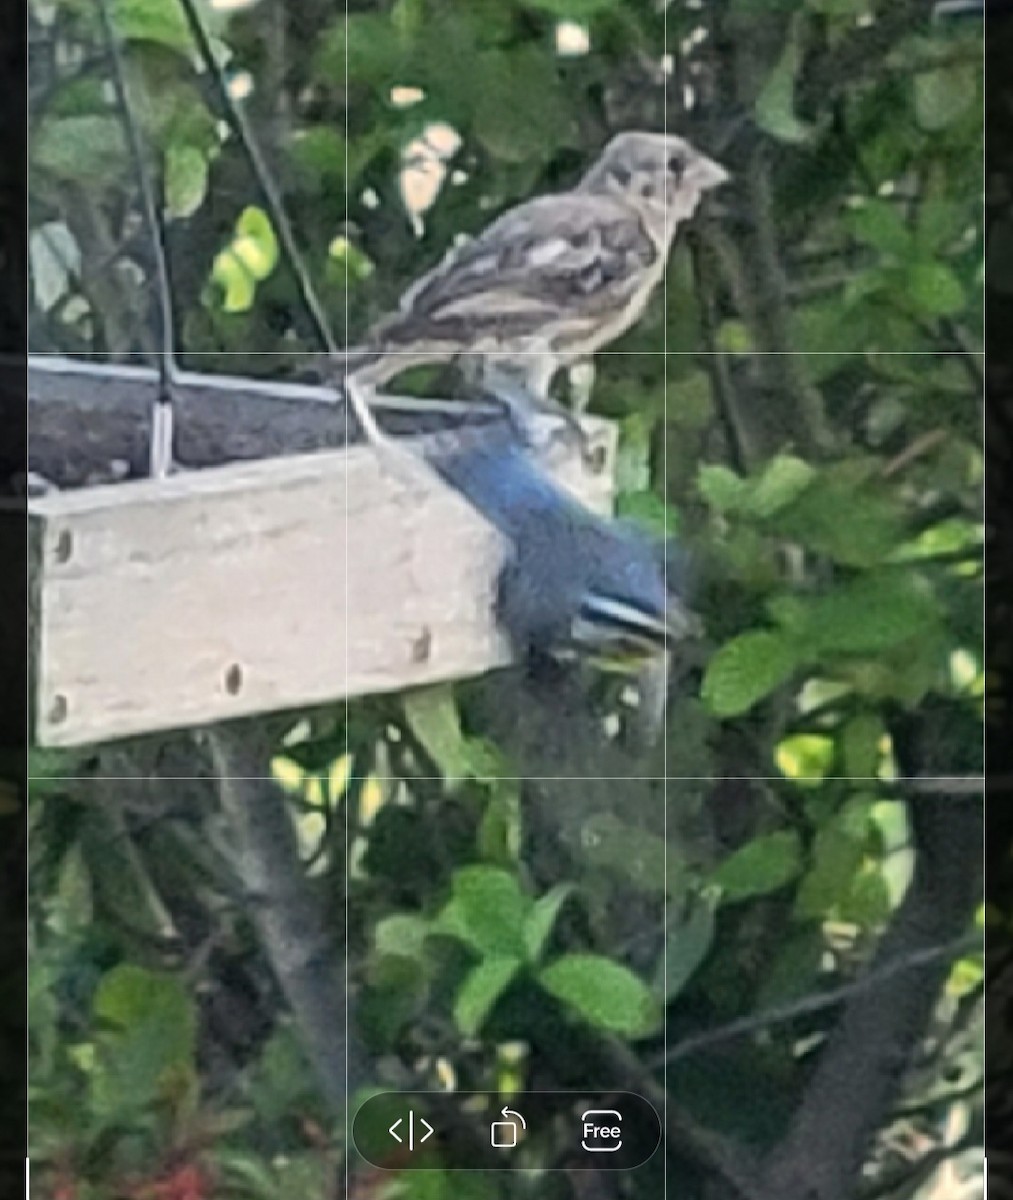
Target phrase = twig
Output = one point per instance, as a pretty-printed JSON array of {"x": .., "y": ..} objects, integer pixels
[
  {"x": 772, "y": 312},
  {"x": 740, "y": 449},
  {"x": 817, "y": 1001},
  {"x": 917, "y": 449}
]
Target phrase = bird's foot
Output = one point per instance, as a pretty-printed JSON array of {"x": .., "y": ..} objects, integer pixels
[
  {"x": 581, "y": 379},
  {"x": 359, "y": 398}
]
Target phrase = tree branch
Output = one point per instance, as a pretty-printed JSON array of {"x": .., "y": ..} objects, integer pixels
[
  {"x": 286, "y": 912},
  {"x": 857, "y": 1077}
]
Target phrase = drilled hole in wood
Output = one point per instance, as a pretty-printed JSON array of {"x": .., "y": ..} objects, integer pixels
[
  {"x": 422, "y": 646},
  {"x": 58, "y": 710},
  {"x": 599, "y": 459},
  {"x": 63, "y": 546},
  {"x": 234, "y": 679}
]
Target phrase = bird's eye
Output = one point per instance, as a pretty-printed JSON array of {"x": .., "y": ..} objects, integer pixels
[
  {"x": 676, "y": 164},
  {"x": 621, "y": 175}
]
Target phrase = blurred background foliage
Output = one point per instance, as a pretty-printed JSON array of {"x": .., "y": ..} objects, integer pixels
[{"x": 812, "y": 436}]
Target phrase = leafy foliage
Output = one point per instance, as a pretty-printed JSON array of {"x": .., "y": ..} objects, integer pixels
[{"x": 812, "y": 435}]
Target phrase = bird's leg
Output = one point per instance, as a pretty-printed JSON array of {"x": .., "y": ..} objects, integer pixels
[
  {"x": 359, "y": 395},
  {"x": 581, "y": 385}
]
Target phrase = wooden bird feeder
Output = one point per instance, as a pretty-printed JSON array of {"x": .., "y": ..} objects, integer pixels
[{"x": 279, "y": 570}]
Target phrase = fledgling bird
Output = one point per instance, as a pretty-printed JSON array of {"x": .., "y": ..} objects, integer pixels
[{"x": 550, "y": 282}]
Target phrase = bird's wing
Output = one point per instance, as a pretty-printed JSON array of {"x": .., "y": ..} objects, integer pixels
[{"x": 557, "y": 254}]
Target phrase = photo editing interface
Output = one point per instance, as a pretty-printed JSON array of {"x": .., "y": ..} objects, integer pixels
[{"x": 505, "y": 518}]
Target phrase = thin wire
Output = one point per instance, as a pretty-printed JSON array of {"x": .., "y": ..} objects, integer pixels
[
  {"x": 236, "y": 120},
  {"x": 664, "y": 705},
  {"x": 347, "y": 806},
  {"x": 851, "y": 352},
  {"x": 162, "y": 411},
  {"x": 905, "y": 782}
]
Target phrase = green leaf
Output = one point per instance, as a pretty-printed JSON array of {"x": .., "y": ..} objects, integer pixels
[
  {"x": 403, "y": 934},
  {"x": 155, "y": 21},
  {"x": 129, "y": 998},
  {"x": 805, "y": 758},
  {"x": 55, "y": 256},
  {"x": 255, "y": 244},
  {"x": 794, "y": 969},
  {"x": 775, "y": 105},
  {"x": 839, "y": 8},
  {"x": 634, "y": 853},
  {"x": 542, "y": 918},
  {"x": 606, "y": 994},
  {"x": 745, "y": 670},
  {"x": 836, "y": 858},
  {"x": 488, "y": 911},
  {"x": 688, "y": 943},
  {"x": 522, "y": 114},
  {"x": 86, "y": 149},
  {"x": 860, "y": 742},
  {"x": 879, "y": 224},
  {"x": 186, "y": 180},
  {"x": 362, "y": 47},
  {"x": 844, "y": 517},
  {"x": 481, "y": 988},
  {"x": 148, "y": 1043},
  {"x": 723, "y": 490},
  {"x": 73, "y": 904},
  {"x": 434, "y": 718},
  {"x": 499, "y": 835},
  {"x": 934, "y": 289},
  {"x": 868, "y": 902},
  {"x": 232, "y": 276},
  {"x": 734, "y": 337},
  {"x": 763, "y": 865},
  {"x": 782, "y": 481},
  {"x": 574, "y": 10},
  {"x": 944, "y": 95},
  {"x": 865, "y": 615}
]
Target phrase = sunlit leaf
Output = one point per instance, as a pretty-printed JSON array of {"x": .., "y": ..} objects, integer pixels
[
  {"x": 481, "y": 988},
  {"x": 186, "y": 180},
  {"x": 805, "y": 757},
  {"x": 745, "y": 670},
  {"x": 542, "y": 917},
  {"x": 605, "y": 993},
  {"x": 775, "y": 105},
  {"x": 487, "y": 910}
]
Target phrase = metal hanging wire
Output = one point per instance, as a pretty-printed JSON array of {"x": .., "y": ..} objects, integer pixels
[
  {"x": 235, "y": 118},
  {"x": 162, "y": 415}
]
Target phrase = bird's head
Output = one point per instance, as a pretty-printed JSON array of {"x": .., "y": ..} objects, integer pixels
[{"x": 660, "y": 174}]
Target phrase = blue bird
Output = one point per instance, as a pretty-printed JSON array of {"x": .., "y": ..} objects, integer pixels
[{"x": 574, "y": 585}]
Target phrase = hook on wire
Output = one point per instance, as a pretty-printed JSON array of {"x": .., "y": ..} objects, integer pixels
[{"x": 160, "y": 458}]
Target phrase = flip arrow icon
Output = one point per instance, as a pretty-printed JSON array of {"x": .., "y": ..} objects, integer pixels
[
  {"x": 509, "y": 1112},
  {"x": 413, "y": 1141}
]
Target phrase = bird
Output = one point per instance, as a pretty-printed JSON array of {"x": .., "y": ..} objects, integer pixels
[
  {"x": 574, "y": 586},
  {"x": 547, "y": 284}
]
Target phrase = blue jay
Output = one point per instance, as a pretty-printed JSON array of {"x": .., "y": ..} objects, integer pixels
[{"x": 575, "y": 585}]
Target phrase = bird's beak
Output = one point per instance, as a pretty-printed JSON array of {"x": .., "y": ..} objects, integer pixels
[
  {"x": 704, "y": 174},
  {"x": 681, "y": 623}
]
